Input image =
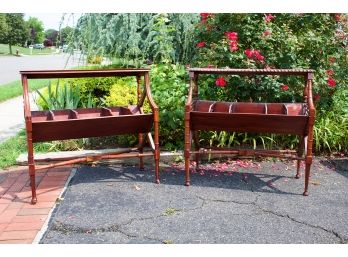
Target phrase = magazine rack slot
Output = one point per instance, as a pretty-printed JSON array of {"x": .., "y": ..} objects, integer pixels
[
  {"x": 50, "y": 115},
  {"x": 73, "y": 114},
  {"x": 277, "y": 118},
  {"x": 105, "y": 112},
  {"x": 77, "y": 123}
]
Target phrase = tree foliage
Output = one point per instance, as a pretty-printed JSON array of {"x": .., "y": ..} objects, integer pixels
[
  {"x": 3, "y": 27},
  {"x": 51, "y": 36},
  {"x": 138, "y": 37},
  {"x": 17, "y": 30},
  {"x": 65, "y": 35},
  {"x": 35, "y": 31}
]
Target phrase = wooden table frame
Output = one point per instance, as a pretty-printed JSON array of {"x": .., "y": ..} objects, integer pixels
[
  {"x": 198, "y": 118},
  {"x": 40, "y": 129}
]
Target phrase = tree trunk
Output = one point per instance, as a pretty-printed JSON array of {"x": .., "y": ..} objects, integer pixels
[{"x": 10, "y": 48}]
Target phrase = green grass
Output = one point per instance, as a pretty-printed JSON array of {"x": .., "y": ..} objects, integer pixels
[
  {"x": 14, "y": 146},
  {"x": 5, "y": 50},
  {"x": 14, "y": 88}
]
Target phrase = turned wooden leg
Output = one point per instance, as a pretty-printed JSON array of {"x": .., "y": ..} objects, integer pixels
[
  {"x": 309, "y": 159},
  {"x": 299, "y": 154},
  {"x": 32, "y": 182},
  {"x": 197, "y": 147},
  {"x": 31, "y": 165},
  {"x": 141, "y": 148},
  {"x": 307, "y": 174},
  {"x": 188, "y": 139},
  {"x": 157, "y": 151}
]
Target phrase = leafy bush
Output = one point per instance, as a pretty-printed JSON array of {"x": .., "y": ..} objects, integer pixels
[
  {"x": 331, "y": 127},
  {"x": 316, "y": 41},
  {"x": 169, "y": 85},
  {"x": 94, "y": 59},
  {"x": 124, "y": 93}
]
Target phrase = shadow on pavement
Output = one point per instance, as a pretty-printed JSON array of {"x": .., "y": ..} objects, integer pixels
[{"x": 248, "y": 181}]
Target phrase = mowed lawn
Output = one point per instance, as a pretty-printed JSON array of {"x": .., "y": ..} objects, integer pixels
[
  {"x": 5, "y": 50},
  {"x": 14, "y": 88}
]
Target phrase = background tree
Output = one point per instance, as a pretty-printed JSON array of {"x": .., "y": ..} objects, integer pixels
[
  {"x": 17, "y": 30},
  {"x": 35, "y": 31},
  {"x": 65, "y": 35},
  {"x": 51, "y": 35},
  {"x": 137, "y": 37},
  {"x": 3, "y": 26}
]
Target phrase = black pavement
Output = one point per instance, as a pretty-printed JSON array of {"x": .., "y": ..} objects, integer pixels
[{"x": 234, "y": 202}]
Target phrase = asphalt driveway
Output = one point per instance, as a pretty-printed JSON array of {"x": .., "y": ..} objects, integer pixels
[
  {"x": 11, "y": 65},
  {"x": 233, "y": 202}
]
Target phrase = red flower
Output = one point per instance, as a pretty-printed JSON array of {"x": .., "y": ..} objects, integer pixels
[
  {"x": 332, "y": 59},
  {"x": 331, "y": 82},
  {"x": 269, "y": 18},
  {"x": 210, "y": 66},
  {"x": 330, "y": 72},
  {"x": 258, "y": 56},
  {"x": 233, "y": 46},
  {"x": 316, "y": 97},
  {"x": 267, "y": 33},
  {"x": 249, "y": 53},
  {"x": 220, "y": 82},
  {"x": 285, "y": 87},
  {"x": 204, "y": 17},
  {"x": 233, "y": 36},
  {"x": 337, "y": 17},
  {"x": 201, "y": 44},
  {"x": 254, "y": 54}
]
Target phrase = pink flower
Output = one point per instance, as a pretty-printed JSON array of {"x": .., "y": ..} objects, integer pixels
[
  {"x": 337, "y": 17},
  {"x": 285, "y": 87},
  {"x": 330, "y": 72},
  {"x": 233, "y": 46},
  {"x": 204, "y": 15},
  {"x": 267, "y": 33},
  {"x": 331, "y": 82},
  {"x": 269, "y": 18},
  {"x": 201, "y": 44},
  {"x": 220, "y": 82},
  {"x": 233, "y": 36},
  {"x": 249, "y": 53}
]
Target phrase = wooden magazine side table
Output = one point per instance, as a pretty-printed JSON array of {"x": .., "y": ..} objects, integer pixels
[
  {"x": 92, "y": 122},
  {"x": 279, "y": 118}
]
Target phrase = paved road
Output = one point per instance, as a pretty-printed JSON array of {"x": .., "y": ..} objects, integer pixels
[
  {"x": 257, "y": 203},
  {"x": 11, "y": 111},
  {"x": 11, "y": 65}
]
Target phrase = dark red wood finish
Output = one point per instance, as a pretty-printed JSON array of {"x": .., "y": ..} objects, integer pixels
[
  {"x": 92, "y": 122},
  {"x": 279, "y": 118}
]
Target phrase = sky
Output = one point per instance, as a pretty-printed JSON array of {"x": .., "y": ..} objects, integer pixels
[{"x": 52, "y": 20}]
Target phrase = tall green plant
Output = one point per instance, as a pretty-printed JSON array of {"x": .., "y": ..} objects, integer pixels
[
  {"x": 137, "y": 37},
  {"x": 59, "y": 97}
]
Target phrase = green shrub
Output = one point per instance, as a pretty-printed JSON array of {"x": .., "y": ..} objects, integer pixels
[
  {"x": 315, "y": 41},
  {"x": 331, "y": 127},
  {"x": 124, "y": 93},
  {"x": 94, "y": 59},
  {"x": 169, "y": 85}
]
